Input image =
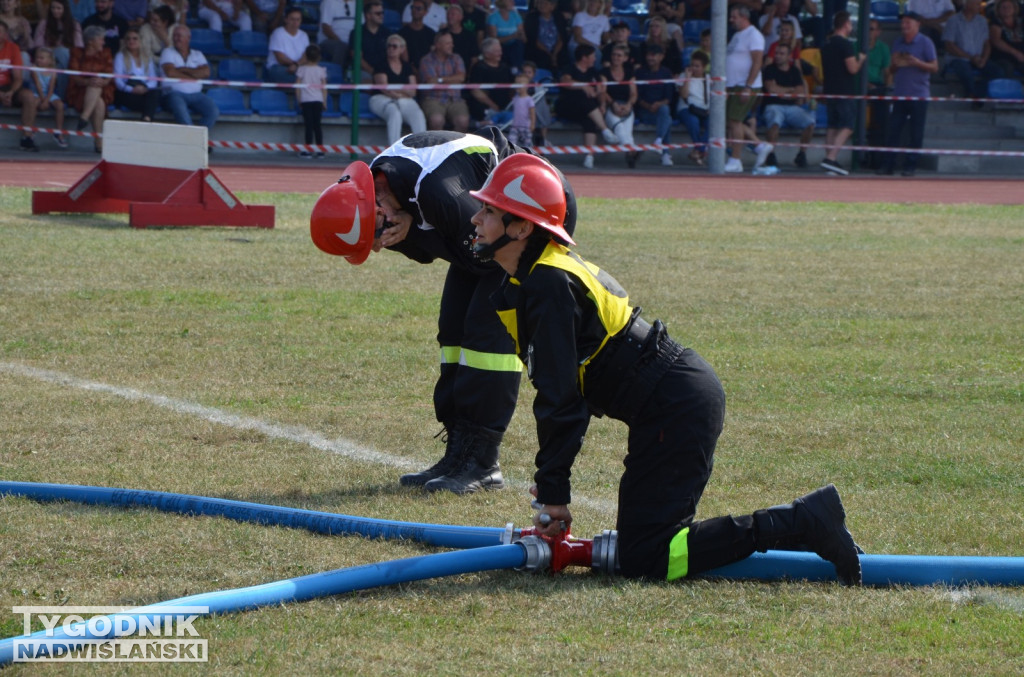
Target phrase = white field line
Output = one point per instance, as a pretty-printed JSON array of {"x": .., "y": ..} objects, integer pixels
[{"x": 290, "y": 433}]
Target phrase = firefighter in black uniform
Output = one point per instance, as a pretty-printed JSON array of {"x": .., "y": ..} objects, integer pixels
[
  {"x": 416, "y": 194},
  {"x": 588, "y": 352}
]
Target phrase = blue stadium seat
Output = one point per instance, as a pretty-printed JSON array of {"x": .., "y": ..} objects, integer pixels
[
  {"x": 886, "y": 11},
  {"x": 392, "y": 20},
  {"x": 335, "y": 76},
  {"x": 692, "y": 28},
  {"x": 237, "y": 69},
  {"x": 332, "y": 106},
  {"x": 250, "y": 43},
  {"x": 229, "y": 101},
  {"x": 1005, "y": 88},
  {"x": 271, "y": 102},
  {"x": 345, "y": 105},
  {"x": 209, "y": 42},
  {"x": 544, "y": 75}
]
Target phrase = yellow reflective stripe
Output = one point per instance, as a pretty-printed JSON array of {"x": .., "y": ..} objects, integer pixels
[
  {"x": 450, "y": 354},
  {"x": 678, "y": 556},
  {"x": 479, "y": 360},
  {"x": 478, "y": 149}
]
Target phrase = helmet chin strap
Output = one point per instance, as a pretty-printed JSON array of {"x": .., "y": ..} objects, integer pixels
[{"x": 485, "y": 252}]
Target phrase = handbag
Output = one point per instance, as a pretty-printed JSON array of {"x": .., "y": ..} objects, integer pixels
[{"x": 698, "y": 112}]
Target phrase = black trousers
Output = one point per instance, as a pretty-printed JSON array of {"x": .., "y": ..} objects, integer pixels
[
  {"x": 312, "y": 113},
  {"x": 480, "y": 372},
  {"x": 671, "y": 454},
  {"x": 143, "y": 103}
]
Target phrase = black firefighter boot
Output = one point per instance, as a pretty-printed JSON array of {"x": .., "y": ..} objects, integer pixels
[
  {"x": 448, "y": 462},
  {"x": 478, "y": 467},
  {"x": 816, "y": 520}
]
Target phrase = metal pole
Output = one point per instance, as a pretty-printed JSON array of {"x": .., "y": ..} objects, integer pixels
[
  {"x": 357, "y": 72},
  {"x": 716, "y": 111}
]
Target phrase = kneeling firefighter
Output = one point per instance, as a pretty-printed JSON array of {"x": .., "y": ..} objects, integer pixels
[
  {"x": 414, "y": 198},
  {"x": 589, "y": 353}
]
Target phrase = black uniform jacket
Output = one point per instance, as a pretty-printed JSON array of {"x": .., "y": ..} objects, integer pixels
[
  {"x": 431, "y": 174},
  {"x": 561, "y": 311}
]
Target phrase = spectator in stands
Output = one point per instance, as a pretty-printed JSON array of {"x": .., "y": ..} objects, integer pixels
[
  {"x": 1006, "y": 34},
  {"x": 12, "y": 90},
  {"x": 19, "y": 30},
  {"x": 506, "y": 25},
  {"x": 914, "y": 60},
  {"x": 879, "y": 84},
  {"x": 490, "y": 69},
  {"x": 474, "y": 20},
  {"x": 374, "y": 40},
  {"x": 287, "y": 49},
  {"x": 113, "y": 26},
  {"x": 396, "y": 106},
  {"x": 188, "y": 66},
  {"x": 620, "y": 97},
  {"x": 267, "y": 15},
  {"x": 657, "y": 36},
  {"x": 693, "y": 109},
  {"x": 743, "y": 58},
  {"x": 139, "y": 89},
  {"x": 840, "y": 64},
  {"x": 134, "y": 12},
  {"x": 787, "y": 36},
  {"x": 465, "y": 44},
  {"x": 419, "y": 38},
  {"x": 156, "y": 33},
  {"x": 434, "y": 16},
  {"x": 234, "y": 13},
  {"x": 444, "y": 67},
  {"x": 773, "y": 17},
  {"x": 312, "y": 98},
  {"x": 654, "y": 105},
  {"x": 590, "y": 26},
  {"x": 43, "y": 86},
  {"x": 933, "y": 16},
  {"x": 785, "y": 96},
  {"x": 585, "y": 104},
  {"x": 968, "y": 51},
  {"x": 524, "y": 114},
  {"x": 705, "y": 47},
  {"x": 59, "y": 31},
  {"x": 81, "y": 9},
  {"x": 673, "y": 12},
  {"x": 620, "y": 36},
  {"x": 91, "y": 94},
  {"x": 545, "y": 35},
  {"x": 337, "y": 21}
]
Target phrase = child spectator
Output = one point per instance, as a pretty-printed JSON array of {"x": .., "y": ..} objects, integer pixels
[
  {"x": 44, "y": 86},
  {"x": 540, "y": 108},
  {"x": 312, "y": 98},
  {"x": 524, "y": 117},
  {"x": 694, "y": 102}
]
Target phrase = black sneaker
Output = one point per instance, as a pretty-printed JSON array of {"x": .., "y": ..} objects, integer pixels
[
  {"x": 27, "y": 144},
  {"x": 800, "y": 160},
  {"x": 833, "y": 167}
]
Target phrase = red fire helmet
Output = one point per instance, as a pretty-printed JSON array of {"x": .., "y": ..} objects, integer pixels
[
  {"x": 345, "y": 214},
  {"x": 527, "y": 186}
]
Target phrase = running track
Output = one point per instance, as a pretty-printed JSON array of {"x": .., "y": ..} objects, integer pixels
[{"x": 682, "y": 184}]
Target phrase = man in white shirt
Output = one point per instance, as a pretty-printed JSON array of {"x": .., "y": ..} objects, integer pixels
[
  {"x": 287, "y": 48},
  {"x": 337, "y": 19},
  {"x": 743, "y": 58},
  {"x": 433, "y": 18},
  {"x": 189, "y": 66}
]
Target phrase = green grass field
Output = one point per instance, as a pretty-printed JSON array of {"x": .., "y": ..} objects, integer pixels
[{"x": 875, "y": 346}]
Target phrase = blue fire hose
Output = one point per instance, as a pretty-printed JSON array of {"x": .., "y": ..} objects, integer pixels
[{"x": 481, "y": 549}]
